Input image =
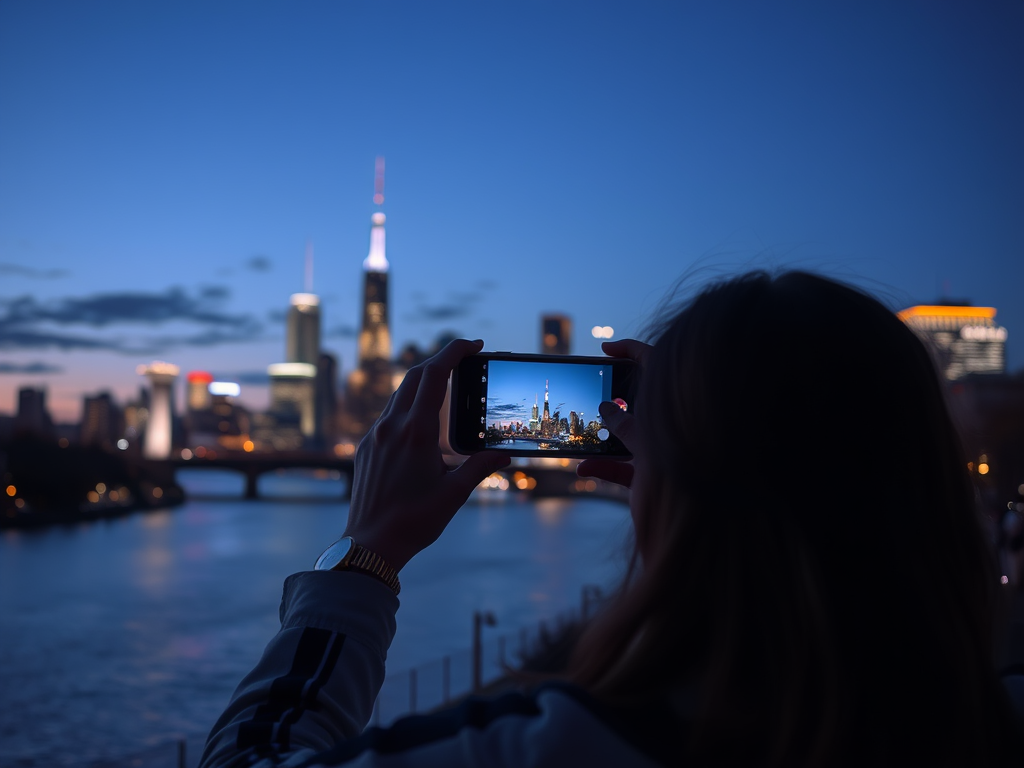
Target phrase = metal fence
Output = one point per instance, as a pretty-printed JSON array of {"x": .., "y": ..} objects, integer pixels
[{"x": 424, "y": 688}]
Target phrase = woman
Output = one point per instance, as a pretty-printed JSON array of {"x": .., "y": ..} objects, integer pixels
[{"x": 810, "y": 584}]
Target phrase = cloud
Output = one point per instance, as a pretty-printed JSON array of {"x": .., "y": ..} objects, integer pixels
[
  {"x": 126, "y": 307},
  {"x": 340, "y": 332},
  {"x": 37, "y": 274},
  {"x": 26, "y": 323},
  {"x": 438, "y": 313},
  {"x": 14, "y": 338},
  {"x": 29, "y": 368},
  {"x": 258, "y": 264},
  {"x": 505, "y": 411},
  {"x": 277, "y": 315}
]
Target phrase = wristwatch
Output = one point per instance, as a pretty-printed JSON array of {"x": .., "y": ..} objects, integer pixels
[{"x": 346, "y": 555}]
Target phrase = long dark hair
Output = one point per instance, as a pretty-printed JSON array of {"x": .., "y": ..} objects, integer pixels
[{"x": 812, "y": 575}]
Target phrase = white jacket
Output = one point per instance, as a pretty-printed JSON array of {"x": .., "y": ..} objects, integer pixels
[{"x": 309, "y": 699}]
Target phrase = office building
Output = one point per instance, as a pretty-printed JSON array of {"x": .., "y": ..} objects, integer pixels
[
  {"x": 302, "y": 344},
  {"x": 198, "y": 396},
  {"x": 159, "y": 436},
  {"x": 293, "y": 396},
  {"x": 555, "y": 335},
  {"x": 102, "y": 421},
  {"x": 32, "y": 417},
  {"x": 964, "y": 339}
]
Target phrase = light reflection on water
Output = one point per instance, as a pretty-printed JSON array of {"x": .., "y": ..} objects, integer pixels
[{"x": 121, "y": 634}]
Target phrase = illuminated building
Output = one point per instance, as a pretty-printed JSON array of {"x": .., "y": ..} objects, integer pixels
[
  {"x": 198, "y": 395},
  {"x": 546, "y": 425},
  {"x": 534, "y": 420},
  {"x": 371, "y": 384},
  {"x": 102, "y": 421},
  {"x": 964, "y": 339},
  {"x": 293, "y": 395},
  {"x": 160, "y": 424},
  {"x": 302, "y": 344},
  {"x": 555, "y": 334}
]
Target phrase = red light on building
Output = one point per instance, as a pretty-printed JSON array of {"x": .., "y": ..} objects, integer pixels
[{"x": 199, "y": 377}]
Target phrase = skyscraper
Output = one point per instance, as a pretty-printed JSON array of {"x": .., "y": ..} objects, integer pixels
[
  {"x": 370, "y": 385},
  {"x": 964, "y": 339},
  {"x": 555, "y": 334},
  {"x": 160, "y": 426},
  {"x": 302, "y": 344}
]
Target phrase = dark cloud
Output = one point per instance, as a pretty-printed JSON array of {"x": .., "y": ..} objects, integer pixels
[
  {"x": 38, "y": 274},
  {"x": 29, "y": 368},
  {"x": 258, "y": 264},
  {"x": 125, "y": 307},
  {"x": 26, "y": 323},
  {"x": 501, "y": 411},
  {"x": 438, "y": 313},
  {"x": 17, "y": 338},
  {"x": 215, "y": 292},
  {"x": 340, "y": 332}
]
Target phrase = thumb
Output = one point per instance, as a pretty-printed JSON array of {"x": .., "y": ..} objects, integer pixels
[
  {"x": 463, "y": 480},
  {"x": 619, "y": 422}
]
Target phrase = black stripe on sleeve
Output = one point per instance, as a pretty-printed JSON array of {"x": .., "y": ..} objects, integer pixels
[
  {"x": 315, "y": 656},
  {"x": 418, "y": 730}
]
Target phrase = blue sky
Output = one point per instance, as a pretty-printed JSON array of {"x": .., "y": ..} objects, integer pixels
[
  {"x": 162, "y": 166},
  {"x": 512, "y": 389}
]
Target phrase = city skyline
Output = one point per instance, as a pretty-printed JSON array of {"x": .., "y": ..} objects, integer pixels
[
  {"x": 572, "y": 387},
  {"x": 167, "y": 168}
]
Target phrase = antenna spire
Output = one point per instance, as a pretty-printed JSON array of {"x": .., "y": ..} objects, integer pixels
[
  {"x": 309, "y": 266},
  {"x": 378, "y": 181}
]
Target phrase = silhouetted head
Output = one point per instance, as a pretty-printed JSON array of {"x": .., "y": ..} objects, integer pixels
[{"x": 813, "y": 574}]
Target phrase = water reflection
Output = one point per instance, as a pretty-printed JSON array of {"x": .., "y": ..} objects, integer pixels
[{"x": 155, "y": 618}]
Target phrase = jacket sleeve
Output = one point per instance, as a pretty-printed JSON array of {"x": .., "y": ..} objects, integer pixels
[{"x": 318, "y": 678}]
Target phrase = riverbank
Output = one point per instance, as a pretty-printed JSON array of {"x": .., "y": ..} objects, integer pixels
[{"x": 45, "y": 483}]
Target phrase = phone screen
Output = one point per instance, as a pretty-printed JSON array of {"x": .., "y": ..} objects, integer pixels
[{"x": 539, "y": 405}]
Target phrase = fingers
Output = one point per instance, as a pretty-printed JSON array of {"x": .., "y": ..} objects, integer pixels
[
  {"x": 618, "y": 472},
  {"x": 403, "y": 397},
  {"x": 630, "y": 348},
  {"x": 434, "y": 379}
]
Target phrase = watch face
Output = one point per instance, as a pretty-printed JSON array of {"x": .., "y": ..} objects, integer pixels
[{"x": 334, "y": 554}]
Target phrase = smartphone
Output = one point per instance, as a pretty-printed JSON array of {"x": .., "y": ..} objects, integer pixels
[{"x": 537, "y": 405}]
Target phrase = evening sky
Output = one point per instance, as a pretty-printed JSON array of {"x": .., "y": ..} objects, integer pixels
[{"x": 163, "y": 165}]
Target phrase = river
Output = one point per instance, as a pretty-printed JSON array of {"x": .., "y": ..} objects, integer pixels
[{"x": 120, "y": 636}]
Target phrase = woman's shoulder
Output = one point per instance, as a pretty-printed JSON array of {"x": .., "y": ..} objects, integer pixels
[{"x": 552, "y": 725}]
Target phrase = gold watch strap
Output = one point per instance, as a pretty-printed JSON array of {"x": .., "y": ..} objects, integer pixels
[{"x": 364, "y": 560}]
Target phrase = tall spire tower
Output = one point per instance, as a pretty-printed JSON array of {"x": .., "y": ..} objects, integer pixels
[{"x": 371, "y": 384}]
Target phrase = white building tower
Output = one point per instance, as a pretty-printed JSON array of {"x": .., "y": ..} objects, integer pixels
[{"x": 160, "y": 425}]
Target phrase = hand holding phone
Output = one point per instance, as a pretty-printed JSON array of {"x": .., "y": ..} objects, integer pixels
[
  {"x": 537, "y": 405},
  {"x": 403, "y": 494}
]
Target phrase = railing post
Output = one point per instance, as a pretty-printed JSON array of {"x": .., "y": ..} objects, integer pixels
[
  {"x": 181, "y": 753},
  {"x": 252, "y": 484},
  {"x": 479, "y": 619}
]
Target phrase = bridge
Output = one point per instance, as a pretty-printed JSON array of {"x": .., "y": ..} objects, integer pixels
[
  {"x": 543, "y": 481},
  {"x": 252, "y": 465}
]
